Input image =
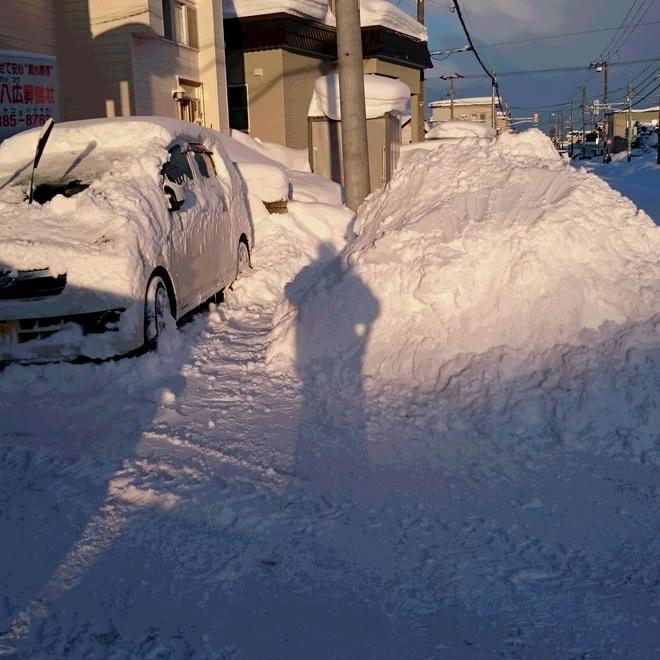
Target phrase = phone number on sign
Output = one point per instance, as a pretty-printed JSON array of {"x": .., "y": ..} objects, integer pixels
[{"x": 31, "y": 119}]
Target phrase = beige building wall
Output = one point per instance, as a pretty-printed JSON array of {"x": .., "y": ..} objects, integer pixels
[
  {"x": 280, "y": 85},
  {"x": 115, "y": 60},
  {"x": 27, "y": 25},
  {"x": 301, "y": 73},
  {"x": 264, "y": 77}
]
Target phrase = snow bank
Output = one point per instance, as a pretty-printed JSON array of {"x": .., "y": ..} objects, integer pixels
[
  {"x": 473, "y": 250},
  {"x": 381, "y": 95},
  {"x": 272, "y": 172}
]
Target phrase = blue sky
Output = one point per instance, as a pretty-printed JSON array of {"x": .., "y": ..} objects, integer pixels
[{"x": 492, "y": 21}]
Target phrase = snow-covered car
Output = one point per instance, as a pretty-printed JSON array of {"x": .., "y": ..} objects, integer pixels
[{"x": 133, "y": 221}]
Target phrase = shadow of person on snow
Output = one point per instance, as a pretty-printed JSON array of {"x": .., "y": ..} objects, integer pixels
[{"x": 334, "y": 315}]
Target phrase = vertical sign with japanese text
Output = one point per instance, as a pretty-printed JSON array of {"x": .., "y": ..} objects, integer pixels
[{"x": 28, "y": 91}]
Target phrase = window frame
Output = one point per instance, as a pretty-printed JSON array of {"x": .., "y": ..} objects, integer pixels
[{"x": 247, "y": 106}]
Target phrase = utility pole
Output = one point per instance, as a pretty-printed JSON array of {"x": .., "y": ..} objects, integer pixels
[
  {"x": 570, "y": 137},
  {"x": 583, "y": 107},
  {"x": 451, "y": 77},
  {"x": 421, "y": 133},
  {"x": 492, "y": 102},
  {"x": 629, "y": 122},
  {"x": 355, "y": 151},
  {"x": 601, "y": 65}
]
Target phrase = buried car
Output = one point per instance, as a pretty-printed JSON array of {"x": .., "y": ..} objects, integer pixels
[{"x": 134, "y": 221}]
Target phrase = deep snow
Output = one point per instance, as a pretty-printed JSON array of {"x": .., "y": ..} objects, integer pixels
[{"x": 251, "y": 491}]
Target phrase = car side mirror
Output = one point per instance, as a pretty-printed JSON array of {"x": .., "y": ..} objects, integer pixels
[{"x": 175, "y": 194}]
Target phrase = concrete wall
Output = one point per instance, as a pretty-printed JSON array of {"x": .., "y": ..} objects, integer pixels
[{"x": 27, "y": 25}]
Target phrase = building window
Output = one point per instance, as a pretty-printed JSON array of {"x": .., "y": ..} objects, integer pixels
[
  {"x": 180, "y": 22},
  {"x": 168, "y": 33},
  {"x": 482, "y": 116},
  {"x": 237, "y": 96},
  {"x": 190, "y": 101}
]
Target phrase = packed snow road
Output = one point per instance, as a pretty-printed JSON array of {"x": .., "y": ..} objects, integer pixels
[{"x": 257, "y": 489}]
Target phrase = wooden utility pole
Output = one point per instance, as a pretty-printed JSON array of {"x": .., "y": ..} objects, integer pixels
[
  {"x": 451, "y": 77},
  {"x": 493, "y": 119},
  {"x": 583, "y": 108},
  {"x": 570, "y": 137},
  {"x": 421, "y": 133},
  {"x": 629, "y": 122},
  {"x": 355, "y": 151}
]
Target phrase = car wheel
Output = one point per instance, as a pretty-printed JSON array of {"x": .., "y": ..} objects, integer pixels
[
  {"x": 243, "y": 260},
  {"x": 157, "y": 311}
]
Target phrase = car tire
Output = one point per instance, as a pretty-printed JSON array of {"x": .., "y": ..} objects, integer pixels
[
  {"x": 242, "y": 259},
  {"x": 157, "y": 311}
]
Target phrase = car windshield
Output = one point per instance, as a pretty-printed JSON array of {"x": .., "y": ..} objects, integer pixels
[{"x": 59, "y": 173}]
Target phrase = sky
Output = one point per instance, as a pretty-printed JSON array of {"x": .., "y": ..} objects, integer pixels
[{"x": 496, "y": 21}]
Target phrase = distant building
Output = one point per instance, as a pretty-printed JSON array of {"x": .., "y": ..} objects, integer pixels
[
  {"x": 469, "y": 109},
  {"x": 127, "y": 57},
  {"x": 617, "y": 125}
]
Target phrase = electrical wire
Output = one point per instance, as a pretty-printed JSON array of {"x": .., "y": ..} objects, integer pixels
[
  {"x": 476, "y": 54},
  {"x": 628, "y": 32},
  {"x": 556, "y": 36},
  {"x": 558, "y": 69},
  {"x": 614, "y": 36}
]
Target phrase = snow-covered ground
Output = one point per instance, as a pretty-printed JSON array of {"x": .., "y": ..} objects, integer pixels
[
  {"x": 638, "y": 180},
  {"x": 344, "y": 461}
]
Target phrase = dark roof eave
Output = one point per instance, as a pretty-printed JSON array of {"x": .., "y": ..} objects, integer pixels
[{"x": 292, "y": 33}]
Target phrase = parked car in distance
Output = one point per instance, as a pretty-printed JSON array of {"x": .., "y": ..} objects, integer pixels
[{"x": 134, "y": 220}]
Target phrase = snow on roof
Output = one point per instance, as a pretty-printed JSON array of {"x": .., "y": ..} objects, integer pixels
[
  {"x": 382, "y": 95},
  {"x": 316, "y": 10},
  {"x": 372, "y": 12},
  {"x": 460, "y": 129},
  {"x": 475, "y": 100},
  {"x": 381, "y": 12}
]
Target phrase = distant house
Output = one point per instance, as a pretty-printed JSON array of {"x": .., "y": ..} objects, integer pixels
[
  {"x": 469, "y": 109},
  {"x": 617, "y": 125},
  {"x": 277, "y": 49}
]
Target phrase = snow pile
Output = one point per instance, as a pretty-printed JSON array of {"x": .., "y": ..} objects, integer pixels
[
  {"x": 316, "y": 10},
  {"x": 388, "y": 15},
  {"x": 479, "y": 252},
  {"x": 272, "y": 172},
  {"x": 381, "y": 94},
  {"x": 458, "y": 130}
]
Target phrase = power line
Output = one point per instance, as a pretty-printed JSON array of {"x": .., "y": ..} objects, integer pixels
[
  {"x": 476, "y": 54},
  {"x": 615, "y": 48},
  {"x": 638, "y": 101},
  {"x": 556, "y": 36},
  {"x": 614, "y": 36},
  {"x": 560, "y": 69}
]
